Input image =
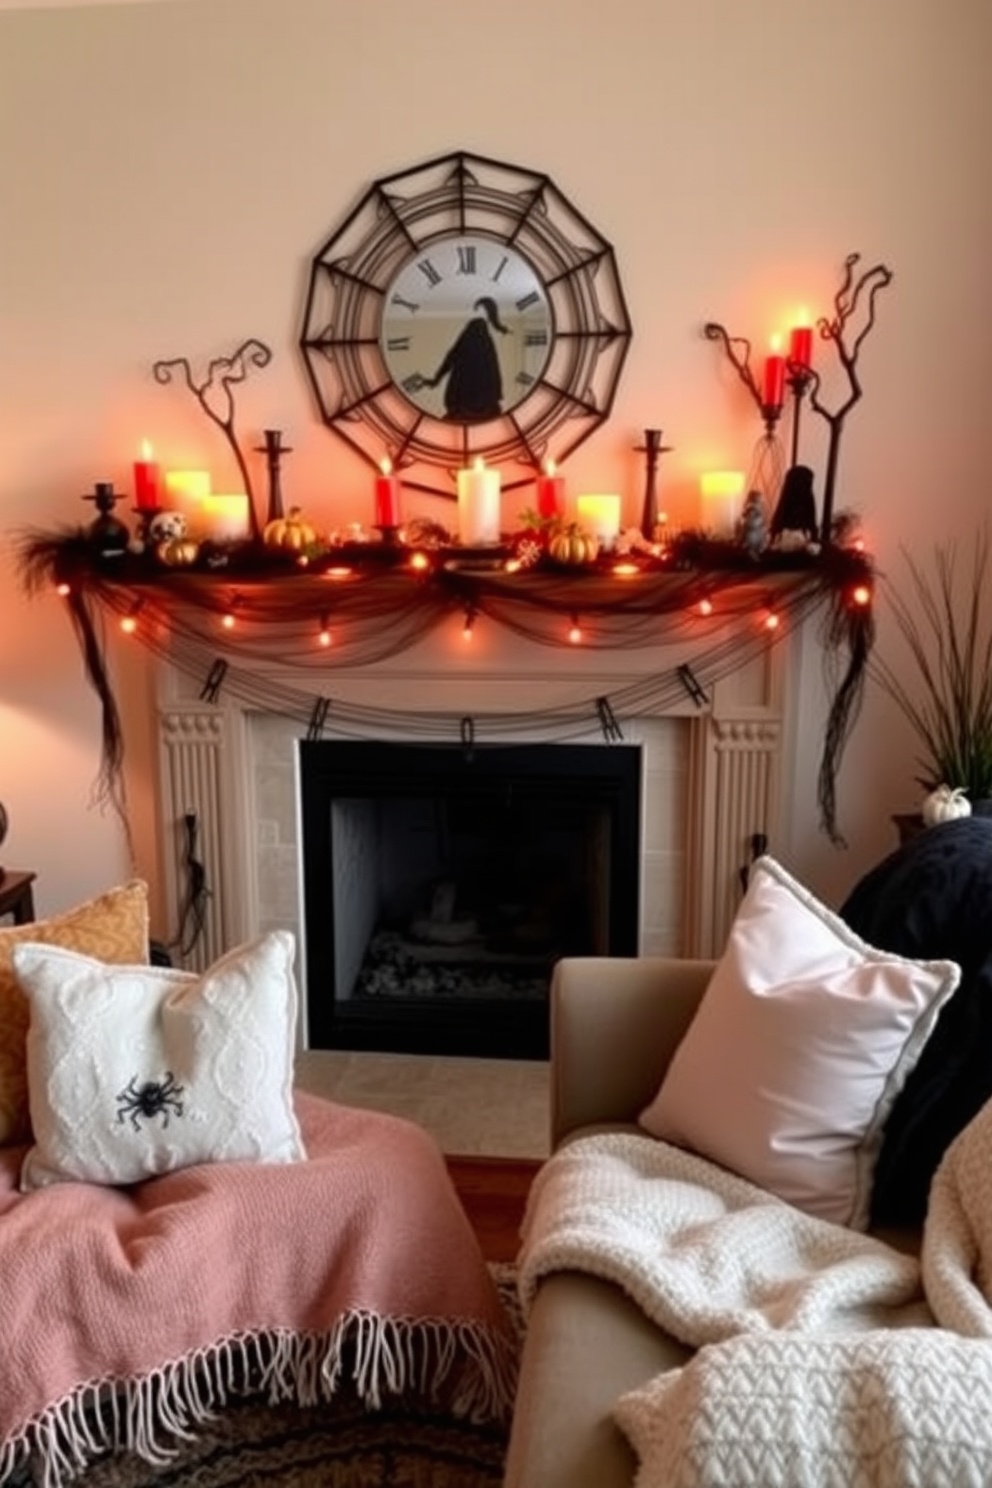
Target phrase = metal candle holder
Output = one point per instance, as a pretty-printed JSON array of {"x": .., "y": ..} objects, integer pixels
[
  {"x": 652, "y": 449},
  {"x": 273, "y": 449},
  {"x": 798, "y": 379},
  {"x": 738, "y": 353}
]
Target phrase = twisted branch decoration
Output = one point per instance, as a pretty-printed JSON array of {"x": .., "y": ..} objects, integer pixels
[
  {"x": 214, "y": 395},
  {"x": 847, "y": 302},
  {"x": 738, "y": 350}
]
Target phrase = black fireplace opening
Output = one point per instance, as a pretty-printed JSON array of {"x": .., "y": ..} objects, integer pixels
[{"x": 442, "y": 882}]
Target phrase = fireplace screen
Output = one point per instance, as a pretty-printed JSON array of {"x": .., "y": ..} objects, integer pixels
[{"x": 442, "y": 883}]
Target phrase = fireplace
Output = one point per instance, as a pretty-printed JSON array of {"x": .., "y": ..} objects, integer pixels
[
  {"x": 709, "y": 778},
  {"x": 442, "y": 882}
]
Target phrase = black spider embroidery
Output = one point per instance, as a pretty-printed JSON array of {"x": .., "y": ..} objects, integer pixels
[{"x": 153, "y": 1098}]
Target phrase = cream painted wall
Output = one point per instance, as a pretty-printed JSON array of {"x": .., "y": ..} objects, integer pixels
[{"x": 166, "y": 171}]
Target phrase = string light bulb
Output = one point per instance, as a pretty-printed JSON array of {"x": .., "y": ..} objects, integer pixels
[
  {"x": 230, "y": 619},
  {"x": 772, "y": 620},
  {"x": 129, "y": 622},
  {"x": 575, "y": 631},
  {"x": 861, "y": 594},
  {"x": 63, "y": 589},
  {"x": 324, "y": 636},
  {"x": 705, "y": 606},
  {"x": 469, "y": 623}
]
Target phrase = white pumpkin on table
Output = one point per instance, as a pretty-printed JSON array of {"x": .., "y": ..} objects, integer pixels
[{"x": 946, "y": 803}]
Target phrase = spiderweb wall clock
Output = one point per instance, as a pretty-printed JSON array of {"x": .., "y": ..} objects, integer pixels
[{"x": 464, "y": 308}]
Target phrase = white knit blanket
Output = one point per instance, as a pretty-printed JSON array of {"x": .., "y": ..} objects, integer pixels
[{"x": 825, "y": 1358}]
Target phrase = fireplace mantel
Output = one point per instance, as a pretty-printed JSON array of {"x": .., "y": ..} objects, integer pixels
[{"x": 684, "y": 651}]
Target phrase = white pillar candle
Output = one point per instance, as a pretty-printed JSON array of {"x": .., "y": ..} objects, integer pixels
[
  {"x": 600, "y": 515},
  {"x": 184, "y": 492},
  {"x": 478, "y": 505},
  {"x": 226, "y": 518},
  {"x": 722, "y": 493}
]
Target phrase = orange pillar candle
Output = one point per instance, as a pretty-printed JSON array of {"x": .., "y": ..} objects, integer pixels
[
  {"x": 387, "y": 497},
  {"x": 801, "y": 345},
  {"x": 550, "y": 492},
  {"x": 146, "y": 480},
  {"x": 773, "y": 391}
]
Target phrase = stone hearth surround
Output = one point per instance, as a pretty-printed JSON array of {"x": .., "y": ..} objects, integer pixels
[{"x": 712, "y": 778}]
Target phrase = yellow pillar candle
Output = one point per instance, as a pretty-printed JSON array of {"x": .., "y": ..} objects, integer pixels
[
  {"x": 226, "y": 517},
  {"x": 722, "y": 493},
  {"x": 184, "y": 492},
  {"x": 600, "y": 515}
]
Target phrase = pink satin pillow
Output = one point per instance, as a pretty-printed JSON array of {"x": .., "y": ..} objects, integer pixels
[{"x": 804, "y": 1037}]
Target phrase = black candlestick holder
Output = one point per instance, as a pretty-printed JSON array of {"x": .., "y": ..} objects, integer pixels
[
  {"x": 652, "y": 449},
  {"x": 108, "y": 534},
  {"x": 273, "y": 449},
  {"x": 798, "y": 379},
  {"x": 145, "y": 516}
]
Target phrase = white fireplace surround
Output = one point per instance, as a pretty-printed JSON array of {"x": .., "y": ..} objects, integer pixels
[{"x": 712, "y": 777}]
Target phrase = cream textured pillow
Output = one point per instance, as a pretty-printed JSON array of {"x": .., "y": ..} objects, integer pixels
[
  {"x": 803, "y": 1039},
  {"x": 112, "y": 927},
  {"x": 137, "y": 1070}
]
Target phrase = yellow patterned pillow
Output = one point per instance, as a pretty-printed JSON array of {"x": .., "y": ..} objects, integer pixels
[{"x": 112, "y": 927}]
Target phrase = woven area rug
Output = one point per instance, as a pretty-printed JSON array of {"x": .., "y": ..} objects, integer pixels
[{"x": 341, "y": 1445}]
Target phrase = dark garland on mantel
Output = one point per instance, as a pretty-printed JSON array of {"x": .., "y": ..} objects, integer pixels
[{"x": 364, "y": 603}]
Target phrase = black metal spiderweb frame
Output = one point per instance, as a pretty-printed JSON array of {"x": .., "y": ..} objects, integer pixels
[{"x": 404, "y": 214}]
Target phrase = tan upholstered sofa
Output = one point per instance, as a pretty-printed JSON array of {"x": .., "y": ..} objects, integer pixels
[{"x": 614, "y": 1026}]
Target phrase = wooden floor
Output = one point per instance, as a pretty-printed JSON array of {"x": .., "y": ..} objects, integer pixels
[{"x": 493, "y": 1191}]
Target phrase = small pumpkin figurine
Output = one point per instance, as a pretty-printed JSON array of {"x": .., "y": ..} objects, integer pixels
[
  {"x": 177, "y": 552},
  {"x": 290, "y": 531},
  {"x": 945, "y": 804},
  {"x": 573, "y": 545}
]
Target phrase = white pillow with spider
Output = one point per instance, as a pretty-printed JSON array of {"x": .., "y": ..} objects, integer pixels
[{"x": 138, "y": 1070}]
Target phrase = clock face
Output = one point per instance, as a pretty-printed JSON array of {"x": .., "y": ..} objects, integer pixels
[
  {"x": 466, "y": 329},
  {"x": 464, "y": 308}
]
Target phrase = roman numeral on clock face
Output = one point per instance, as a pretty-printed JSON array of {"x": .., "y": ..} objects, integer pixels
[
  {"x": 466, "y": 258},
  {"x": 398, "y": 343},
  {"x": 429, "y": 272}
]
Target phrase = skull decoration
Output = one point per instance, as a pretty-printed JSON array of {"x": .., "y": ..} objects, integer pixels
[{"x": 167, "y": 525}]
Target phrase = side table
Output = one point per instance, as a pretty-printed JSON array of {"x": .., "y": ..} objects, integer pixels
[{"x": 17, "y": 896}]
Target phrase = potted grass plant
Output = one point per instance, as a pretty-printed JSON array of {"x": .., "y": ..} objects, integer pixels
[{"x": 944, "y": 615}]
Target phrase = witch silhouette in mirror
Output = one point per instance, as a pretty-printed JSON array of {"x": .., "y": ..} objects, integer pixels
[{"x": 474, "y": 388}]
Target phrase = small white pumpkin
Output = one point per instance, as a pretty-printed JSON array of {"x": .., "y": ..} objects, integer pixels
[{"x": 945, "y": 804}]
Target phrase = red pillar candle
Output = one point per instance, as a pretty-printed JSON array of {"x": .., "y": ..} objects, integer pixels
[
  {"x": 387, "y": 497},
  {"x": 550, "y": 492},
  {"x": 146, "y": 480},
  {"x": 801, "y": 345},
  {"x": 773, "y": 391}
]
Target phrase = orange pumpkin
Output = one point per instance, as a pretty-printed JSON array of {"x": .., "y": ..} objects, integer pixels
[
  {"x": 290, "y": 531},
  {"x": 573, "y": 545},
  {"x": 178, "y": 552}
]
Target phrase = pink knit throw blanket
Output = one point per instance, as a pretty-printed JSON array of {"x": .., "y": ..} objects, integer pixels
[{"x": 127, "y": 1314}]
